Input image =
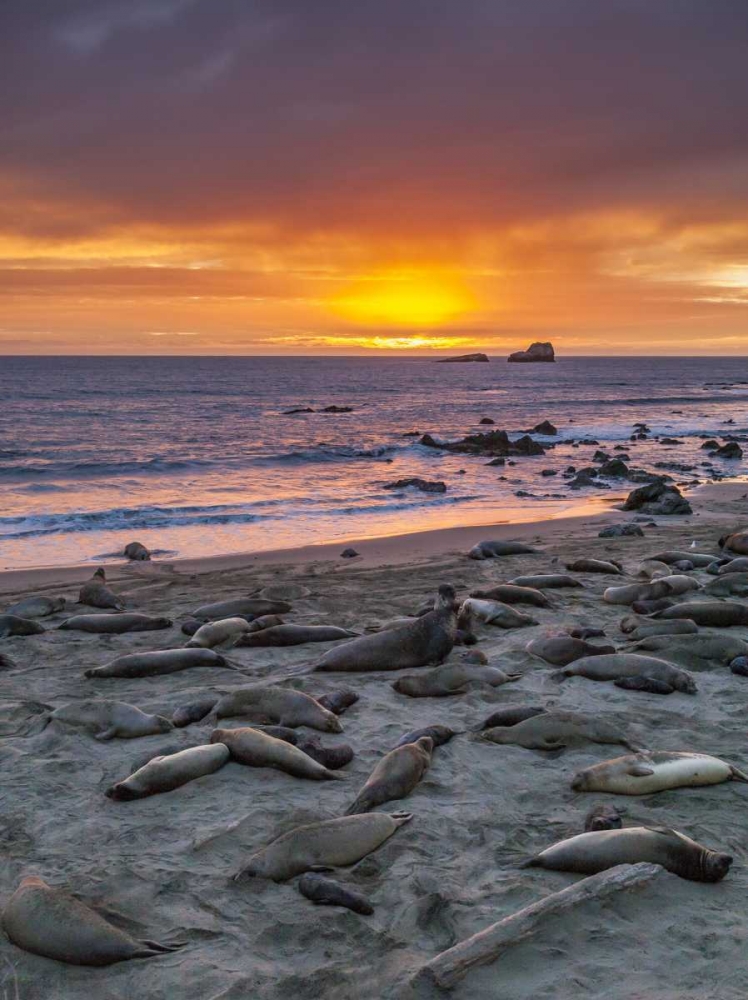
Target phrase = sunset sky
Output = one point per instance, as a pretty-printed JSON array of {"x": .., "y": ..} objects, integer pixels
[{"x": 351, "y": 176}]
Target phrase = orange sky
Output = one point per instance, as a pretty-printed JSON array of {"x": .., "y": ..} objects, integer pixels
[{"x": 185, "y": 177}]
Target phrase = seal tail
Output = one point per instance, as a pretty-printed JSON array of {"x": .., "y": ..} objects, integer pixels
[
  {"x": 738, "y": 775},
  {"x": 359, "y": 806},
  {"x": 532, "y": 863}
]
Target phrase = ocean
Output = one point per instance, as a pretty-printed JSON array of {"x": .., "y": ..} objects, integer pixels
[{"x": 194, "y": 456}]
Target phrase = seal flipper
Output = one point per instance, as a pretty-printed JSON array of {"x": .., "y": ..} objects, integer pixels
[
  {"x": 639, "y": 770},
  {"x": 737, "y": 774},
  {"x": 532, "y": 863},
  {"x": 106, "y": 734}
]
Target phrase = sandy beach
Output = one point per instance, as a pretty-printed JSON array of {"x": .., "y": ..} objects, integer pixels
[{"x": 165, "y": 863}]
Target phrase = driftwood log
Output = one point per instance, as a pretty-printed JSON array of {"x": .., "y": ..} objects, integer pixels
[{"x": 449, "y": 967}]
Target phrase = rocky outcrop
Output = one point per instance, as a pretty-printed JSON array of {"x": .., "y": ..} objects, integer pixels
[
  {"x": 546, "y": 427},
  {"x": 730, "y": 450},
  {"x": 494, "y": 443},
  {"x": 535, "y": 352},
  {"x": 657, "y": 498},
  {"x": 463, "y": 358},
  {"x": 621, "y": 531},
  {"x": 420, "y": 484}
]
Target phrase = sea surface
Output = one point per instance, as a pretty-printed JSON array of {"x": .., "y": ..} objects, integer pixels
[{"x": 194, "y": 456}]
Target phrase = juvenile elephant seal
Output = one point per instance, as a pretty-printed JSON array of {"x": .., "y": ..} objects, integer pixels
[
  {"x": 395, "y": 776},
  {"x": 562, "y": 649},
  {"x": 257, "y": 749},
  {"x": 294, "y": 635},
  {"x": 190, "y": 625},
  {"x": 613, "y": 666},
  {"x": 333, "y": 758},
  {"x": 13, "y": 625},
  {"x": 338, "y": 701},
  {"x": 739, "y": 565},
  {"x": 651, "y": 569},
  {"x": 654, "y": 771},
  {"x": 546, "y": 581},
  {"x": 512, "y": 715},
  {"x": 731, "y": 585},
  {"x": 737, "y": 542},
  {"x": 194, "y": 711},
  {"x": 329, "y": 844},
  {"x": 589, "y": 853},
  {"x": 36, "y": 607},
  {"x": 164, "y": 774},
  {"x": 739, "y": 666},
  {"x": 96, "y": 594},
  {"x": 699, "y": 559},
  {"x": 49, "y": 922},
  {"x": 254, "y": 606},
  {"x": 136, "y": 552},
  {"x": 715, "y": 614},
  {"x": 495, "y": 613},
  {"x": 115, "y": 624},
  {"x": 508, "y": 594},
  {"x": 694, "y": 652},
  {"x": 153, "y": 664},
  {"x": 326, "y": 892},
  {"x": 428, "y": 639},
  {"x": 214, "y": 633},
  {"x": 282, "y": 705},
  {"x": 636, "y": 629},
  {"x": 439, "y": 735},
  {"x": 648, "y": 684},
  {"x": 554, "y": 730},
  {"x": 493, "y": 550},
  {"x": 602, "y": 817},
  {"x": 107, "y": 719},
  {"x": 665, "y": 586},
  {"x": 452, "y": 678},
  {"x": 264, "y": 621},
  {"x": 595, "y": 566}
]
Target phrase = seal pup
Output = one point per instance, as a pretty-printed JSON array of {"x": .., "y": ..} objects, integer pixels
[
  {"x": 439, "y": 735},
  {"x": 736, "y": 542},
  {"x": 511, "y": 715},
  {"x": 13, "y": 625},
  {"x": 107, "y": 719},
  {"x": 546, "y": 580},
  {"x": 451, "y": 678},
  {"x": 158, "y": 662},
  {"x": 36, "y": 607},
  {"x": 264, "y": 621},
  {"x": 649, "y": 607},
  {"x": 636, "y": 629},
  {"x": 115, "y": 624},
  {"x": 294, "y": 635},
  {"x": 338, "y": 701},
  {"x": 589, "y": 853},
  {"x": 555, "y": 730},
  {"x": 715, "y": 614},
  {"x": 254, "y": 606},
  {"x": 613, "y": 666},
  {"x": 329, "y": 844},
  {"x": 217, "y": 632},
  {"x": 395, "y": 776},
  {"x": 603, "y": 817},
  {"x": 585, "y": 632},
  {"x": 333, "y": 758},
  {"x": 609, "y": 566},
  {"x": 96, "y": 594},
  {"x": 428, "y": 639},
  {"x": 561, "y": 650},
  {"x": 282, "y": 705},
  {"x": 52, "y": 923},
  {"x": 136, "y": 552},
  {"x": 194, "y": 711},
  {"x": 495, "y": 613},
  {"x": 654, "y": 771},
  {"x": 165, "y": 773},
  {"x": 257, "y": 749},
  {"x": 325, "y": 892},
  {"x": 648, "y": 684},
  {"x": 495, "y": 549}
]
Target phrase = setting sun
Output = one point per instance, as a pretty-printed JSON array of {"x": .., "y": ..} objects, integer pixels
[{"x": 404, "y": 301}]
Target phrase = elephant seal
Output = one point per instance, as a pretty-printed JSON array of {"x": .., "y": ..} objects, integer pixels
[
  {"x": 714, "y": 614},
  {"x": 439, "y": 735},
  {"x": 330, "y": 843},
  {"x": 694, "y": 652},
  {"x": 739, "y": 666},
  {"x": 649, "y": 607},
  {"x": 294, "y": 635},
  {"x": 428, "y": 639},
  {"x": 326, "y": 892},
  {"x": 156, "y": 663},
  {"x": 194, "y": 711},
  {"x": 395, "y": 776},
  {"x": 648, "y": 684},
  {"x": 136, "y": 552},
  {"x": 739, "y": 565},
  {"x": 283, "y": 705},
  {"x": 36, "y": 607},
  {"x": 665, "y": 586},
  {"x": 254, "y": 606},
  {"x": 51, "y": 923},
  {"x": 589, "y": 853},
  {"x": 495, "y": 613},
  {"x": 115, "y": 624},
  {"x": 651, "y": 569},
  {"x": 257, "y": 749},
  {"x": 602, "y": 817},
  {"x": 554, "y": 730},
  {"x": 96, "y": 594},
  {"x": 107, "y": 719},
  {"x": 164, "y": 774},
  {"x": 333, "y": 758},
  {"x": 737, "y": 542},
  {"x": 264, "y": 621},
  {"x": 511, "y": 715},
  {"x": 732, "y": 584},
  {"x": 637, "y": 629},
  {"x": 190, "y": 625},
  {"x": 586, "y": 632},
  {"x": 451, "y": 678},
  {"x": 613, "y": 666},
  {"x": 595, "y": 566},
  {"x": 13, "y": 625},
  {"x": 546, "y": 580},
  {"x": 338, "y": 701},
  {"x": 562, "y": 649},
  {"x": 493, "y": 550},
  {"x": 217, "y": 632},
  {"x": 699, "y": 559},
  {"x": 508, "y": 594},
  {"x": 654, "y": 771}
]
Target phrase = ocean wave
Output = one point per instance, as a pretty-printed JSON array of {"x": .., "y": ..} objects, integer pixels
[
  {"x": 81, "y": 470},
  {"x": 328, "y": 453}
]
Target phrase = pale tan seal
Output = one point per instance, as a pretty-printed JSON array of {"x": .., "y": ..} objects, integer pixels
[
  {"x": 563, "y": 649},
  {"x": 331, "y": 843},
  {"x": 36, "y": 607},
  {"x": 495, "y": 613},
  {"x": 217, "y": 632},
  {"x": 165, "y": 773},
  {"x": 153, "y": 664},
  {"x": 294, "y": 635},
  {"x": 136, "y": 552},
  {"x": 50, "y": 922},
  {"x": 544, "y": 581},
  {"x": 254, "y": 606},
  {"x": 655, "y": 771},
  {"x": 395, "y": 776},
  {"x": 107, "y": 719},
  {"x": 609, "y": 566},
  {"x": 555, "y": 730},
  {"x": 96, "y": 594},
  {"x": 496, "y": 549},
  {"x": 665, "y": 586},
  {"x": 694, "y": 652},
  {"x": 617, "y": 665},
  {"x": 451, "y": 678},
  {"x": 13, "y": 625},
  {"x": 115, "y": 624},
  {"x": 257, "y": 749},
  {"x": 637, "y": 628},
  {"x": 281, "y": 705},
  {"x": 652, "y": 569},
  {"x": 589, "y": 853},
  {"x": 506, "y": 593}
]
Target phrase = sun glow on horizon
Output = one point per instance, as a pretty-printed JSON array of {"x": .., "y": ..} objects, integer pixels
[{"x": 404, "y": 300}]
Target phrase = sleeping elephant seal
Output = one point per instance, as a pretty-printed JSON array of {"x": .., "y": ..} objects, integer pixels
[
  {"x": 164, "y": 774},
  {"x": 649, "y": 607},
  {"x": 194, "y": 711},
  {"x": 254, "y": 606},
  {"x": 636, "y": 628},
  {"x": 257, "y": 749},
  {"x": 699, "y": 559},
  {"x": 665, "y": 586},
  {"x": 333, "y": 758},
  {"x": 495, "y": 613},
  {"x": 331, "y": 843},
  {"x": 264, "y": 621},
  {"x": 595, "y": 566},
  {"x": 13, "y": 625},
  {"x": 649, "y": 684},
  {"x": 338, "y": 701},
  {"x": 616, "y": 665},
  {"x": 136, "y": 552},
  {"x": 562, "y": 649},
  {"x": 326, "y": 892},
  {"x": 49, "y": 922},
  {"x": 439, "y": 735},
  {"x": 603, "y": 817},
  {"x": 739, "y": 565},
  {"x": 156, "y": 663},
  {"x": 730, "y": 585},
  {"x": 714, "y": 614},
  {"x": 395, "y": 776},
  {"x": 695, "y": 652},
  {"x": 214, "y": 633},
  {"x": 654, "y": 771},
  {"x": 294, "y": 635},
  {"x": 546, "y": 580},
  {"x": 451, "y": 678},
  {"x": 428, "y": 639},
  {"x": 508, "y": 594},
  {"x": 115, "y": 624},
  {"x": 107, "y": 719},
  {"x": 36, "y": 607},
  {"x": 96, "y": 594},
  {"x": 282, "y": 705},
  {"x": 737, "y": 542},
  {"x": 492, "y": 550},
  {"x": 589, "y": 853},
  {"x": 554, "y": 730},
  {"x": 511, "y": 715}
]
